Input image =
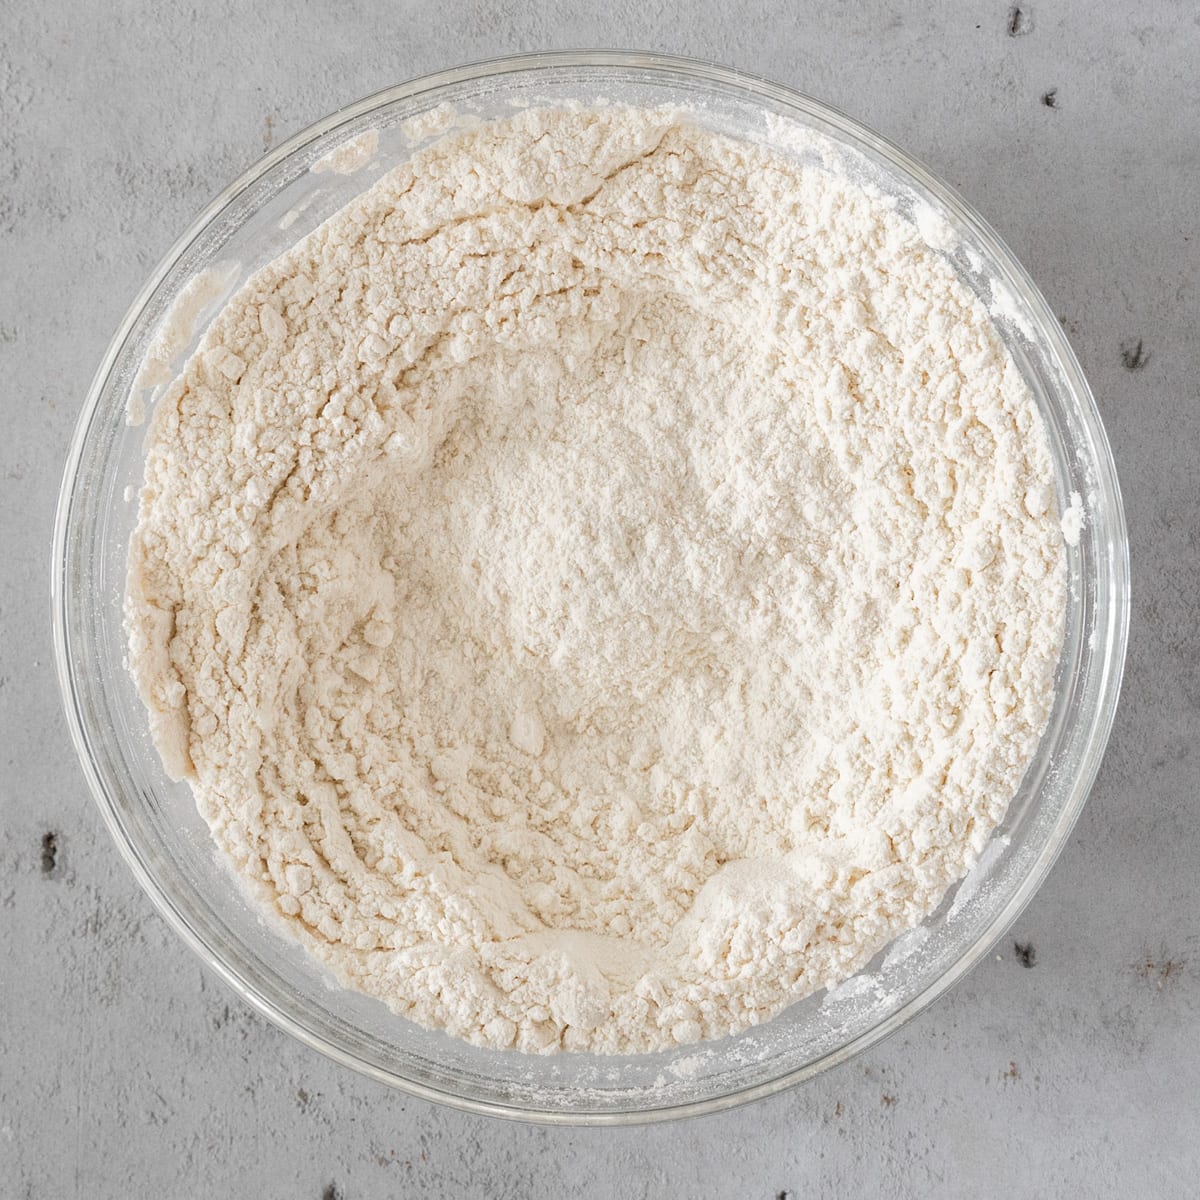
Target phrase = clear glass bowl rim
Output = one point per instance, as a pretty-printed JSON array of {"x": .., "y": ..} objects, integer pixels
[{"x": 664, "y": 67}]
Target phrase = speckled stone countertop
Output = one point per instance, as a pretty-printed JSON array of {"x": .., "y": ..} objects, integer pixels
[{"x": 1067, "y": 1064}]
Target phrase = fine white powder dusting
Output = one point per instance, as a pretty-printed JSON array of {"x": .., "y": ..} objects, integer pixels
[
  {"x": 1073, "y": 520},
  {"x": 177, "y": 327},
  {"x": 350, "y": 156},
  {"x": 434, "y": 122},
  {"x": 602, "y": 585},
  {"x": 934, "y": 228}
]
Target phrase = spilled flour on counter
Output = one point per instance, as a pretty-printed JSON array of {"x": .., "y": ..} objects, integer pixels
[{"x": 602, "y": 585}]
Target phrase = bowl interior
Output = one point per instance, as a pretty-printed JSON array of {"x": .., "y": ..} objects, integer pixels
[{"x": 156, "y": 824}]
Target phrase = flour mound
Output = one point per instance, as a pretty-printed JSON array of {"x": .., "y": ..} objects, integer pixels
[{"x": 602, "y": 585}]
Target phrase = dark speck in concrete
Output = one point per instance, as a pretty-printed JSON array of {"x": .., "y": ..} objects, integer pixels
[
  {"x": 49, "y": 853},
  {"x": 225, "y": 1017},
  {"x": 782, "y": 1195},
  {"x": 1133, "y": 355},
  {"x": 1050, "y": 98},
  {"x": 1161, "y": 968},
  {"x": 1026, "y": 954},
  {"x": 1013, "y": 1073},
  {"x": 888, "y": 1100},
  {"x": 332, "y": 1192},
  {"x": 1020, "y": 21}
]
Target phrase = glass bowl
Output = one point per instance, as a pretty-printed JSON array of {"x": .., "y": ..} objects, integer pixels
[{"x": 165, "y": 841}]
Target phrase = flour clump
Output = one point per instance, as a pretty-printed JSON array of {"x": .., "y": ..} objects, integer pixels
[{"x": 602, "y": 585}]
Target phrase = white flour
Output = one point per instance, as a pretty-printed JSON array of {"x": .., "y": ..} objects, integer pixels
[{"x": 602, "y": 585}]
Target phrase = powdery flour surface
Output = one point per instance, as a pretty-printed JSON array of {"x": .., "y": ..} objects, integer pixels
[{"x": 602, "y": 585}]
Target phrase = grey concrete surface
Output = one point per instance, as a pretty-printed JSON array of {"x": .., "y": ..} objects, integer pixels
[{"x": 126, "y": 1071}]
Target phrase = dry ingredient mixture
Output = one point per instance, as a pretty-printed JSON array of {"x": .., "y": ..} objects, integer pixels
[{"x": 602, "y": 585}]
